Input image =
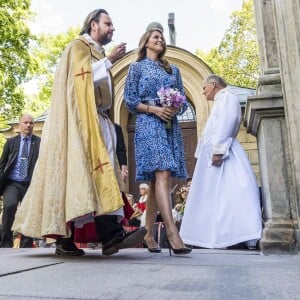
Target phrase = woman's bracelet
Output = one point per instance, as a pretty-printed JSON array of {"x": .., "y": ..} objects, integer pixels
[{"x": 147, "y": 109}]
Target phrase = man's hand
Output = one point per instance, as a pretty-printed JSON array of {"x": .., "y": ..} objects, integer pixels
[
  {"x": 124, "y": 171},
  {"x": 117, "y": 53},
  {"x": 217, "y": 160}
]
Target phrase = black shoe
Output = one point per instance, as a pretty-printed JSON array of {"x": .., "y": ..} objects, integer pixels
[
  {"x": 178, "y": 251},
  {"x": 123, "y": 240},
  {"x": 6, "y": 245},
  {"x": 68, "y": 250},
  {"x": 6, "y": 242}
]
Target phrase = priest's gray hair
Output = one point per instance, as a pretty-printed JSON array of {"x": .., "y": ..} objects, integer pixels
[
  {"x": 218, "y": 79},
  {"x": 93, "y": 16}
]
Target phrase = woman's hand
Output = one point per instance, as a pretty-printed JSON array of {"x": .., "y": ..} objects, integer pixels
[{"x": 165, "y": 113}]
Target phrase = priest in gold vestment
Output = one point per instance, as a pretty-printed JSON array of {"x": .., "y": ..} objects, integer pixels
[{"x": 75, "y": 190}]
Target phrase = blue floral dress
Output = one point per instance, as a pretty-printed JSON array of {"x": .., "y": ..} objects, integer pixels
[{"x": 156, "y": 147}]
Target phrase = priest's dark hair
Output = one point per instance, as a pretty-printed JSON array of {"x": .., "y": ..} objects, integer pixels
[{"x": 93, "y": 16}]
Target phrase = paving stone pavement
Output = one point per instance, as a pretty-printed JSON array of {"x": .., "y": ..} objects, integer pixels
[{"x": 137, "y": 274}]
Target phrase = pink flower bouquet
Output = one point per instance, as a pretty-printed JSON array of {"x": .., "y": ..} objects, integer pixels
[{"x": 170, "y": 97}]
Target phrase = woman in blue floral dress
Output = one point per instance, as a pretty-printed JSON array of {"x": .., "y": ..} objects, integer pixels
[{"x": 159, "y": 150}]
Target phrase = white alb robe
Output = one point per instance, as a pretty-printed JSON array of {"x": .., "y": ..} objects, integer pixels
[{"x": 223, "y": 206}]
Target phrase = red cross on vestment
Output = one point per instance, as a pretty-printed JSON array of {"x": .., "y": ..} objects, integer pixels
[
  {"x": 99, "y": 167},
  {"x": 82, "y": 73}
]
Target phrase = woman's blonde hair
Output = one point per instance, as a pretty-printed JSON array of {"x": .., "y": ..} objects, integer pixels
[{"x": 142, "y": 50}]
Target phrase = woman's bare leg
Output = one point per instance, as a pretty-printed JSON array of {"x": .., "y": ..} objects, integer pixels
[
  {"x": 151, "y": 213},
  {"x": 162, "y": 193}
]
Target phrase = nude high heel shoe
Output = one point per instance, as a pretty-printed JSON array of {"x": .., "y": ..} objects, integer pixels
[{"x": 155, "y": 249}]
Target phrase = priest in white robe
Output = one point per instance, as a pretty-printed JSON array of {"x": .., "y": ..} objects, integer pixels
[{"x": 223, "y": 205}]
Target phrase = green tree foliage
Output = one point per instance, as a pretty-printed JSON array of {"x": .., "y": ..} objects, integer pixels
[
  {"x": 47, "y": 51},
  {"x": 2, "y": 138},
  {"x": 15, "y": 60},
  {"x": 236, "y": 59}
]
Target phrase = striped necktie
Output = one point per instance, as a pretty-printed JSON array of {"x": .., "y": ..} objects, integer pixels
[{"x": 24, "y": 159}]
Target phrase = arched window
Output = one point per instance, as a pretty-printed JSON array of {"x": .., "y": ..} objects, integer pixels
[{"x": 189, "y": 115}]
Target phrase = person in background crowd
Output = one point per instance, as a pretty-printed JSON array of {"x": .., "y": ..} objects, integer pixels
[
  {"x": 178, "y": 209},
  {"x": 134, "y": 220},
  {"x": 188, "y": 183},
  {"x": 17, "y": 162},
  {"x": 142, "y": 204},
  {"x": 130, "y": 199}
]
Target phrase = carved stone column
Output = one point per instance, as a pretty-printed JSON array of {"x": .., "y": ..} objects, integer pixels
[
  {"x": 266, "y": 119},
  {"x": 287, "y": 16}
]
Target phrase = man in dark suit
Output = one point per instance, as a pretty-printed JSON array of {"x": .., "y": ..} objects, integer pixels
[
  {"x": 17, "y": 162},
  {"x": 121, "y": 152}
]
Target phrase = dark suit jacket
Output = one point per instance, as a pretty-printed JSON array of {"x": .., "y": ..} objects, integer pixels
[
  {"x": 10, "y": 154},
  {"x": 121, "y": 148}
]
